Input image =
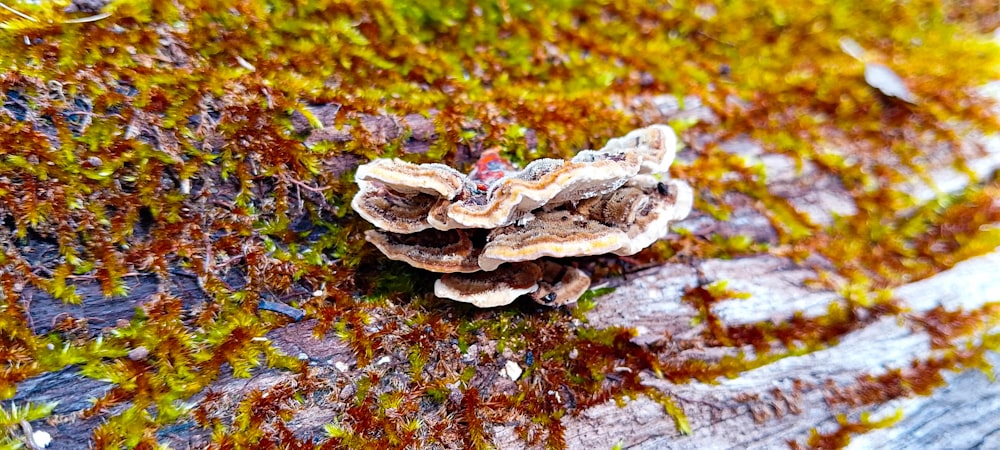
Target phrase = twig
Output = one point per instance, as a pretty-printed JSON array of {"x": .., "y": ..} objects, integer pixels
[
  {"x": 281, "y": 308},
  {"x": 87, "y": 19},
  {"x": 183, "y": 274},
  {"x": 19, "y": 13},
  {"x": 315, "y": 190},
  {"x": 206, "y": 264},
  {"x": 26, "y": 299},
  {"x": 91, "y": 277}
]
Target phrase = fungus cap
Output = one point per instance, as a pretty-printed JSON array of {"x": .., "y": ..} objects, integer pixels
[
  {"x": 656, "y": 145},
  {"x": 405, "y": 177},
  {"x": 489, "y": 289},
  {"x": 542, "y": 182},
  {"x": 437, "y": 251},
  {"x": 670, "y": 201},
  {"x": 391, "y": 210},
  {"x": 560, "y": 285},
  {"x": 555, "y": 233}
]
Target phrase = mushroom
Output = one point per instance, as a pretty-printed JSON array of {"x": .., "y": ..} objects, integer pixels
[
  {"x": 555, "y": 233},
  {"x": 656, "y": 145},
  {"x": 542, "y": 182},
  {"x": 560, "y": 284},
  {"x": 391, "y": 210},
  {"x": 408, "y": 178},
  {"x": 492, "y": 231},
  {"x": 617, "y": 208},
  {"x": 670, "y": 201},
  {"x": 489, "y": 289},
  {"x": 396, "y": 196},
  {"x": 433, "y": 250}
]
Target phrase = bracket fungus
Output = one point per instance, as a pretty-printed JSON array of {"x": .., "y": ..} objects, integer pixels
[{"x": 492, "y": 232}]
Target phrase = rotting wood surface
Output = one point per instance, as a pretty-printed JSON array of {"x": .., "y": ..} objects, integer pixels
[
  {"x": 768, "y": 407},
  {"x": 960, "y": 415}
]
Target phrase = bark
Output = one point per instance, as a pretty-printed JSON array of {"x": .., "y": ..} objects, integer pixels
[
  {"x": 786, "y": 399},
  {"x": 779, "y": 403},
  {"x": 782, "y": 401},
  {"x": 763, "y": 408}
]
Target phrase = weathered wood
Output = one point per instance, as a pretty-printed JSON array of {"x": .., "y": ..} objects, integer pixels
[
  {"x": 762, "y": 408},
  {"x": 781, "y": 402},
  {"x": 722, "y": 417}
]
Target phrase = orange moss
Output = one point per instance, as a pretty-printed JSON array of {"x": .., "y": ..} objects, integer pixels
[{"x": 166, "y": 139}]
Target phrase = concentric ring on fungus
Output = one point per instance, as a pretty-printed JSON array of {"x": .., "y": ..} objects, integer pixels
[
  {"x": 557, "y": 234},
  {"x": 434, "y": 250},
  {"x": 408, "y": 178},
  {"x": 393, "y": 211},
  {"x": 545, "y": 182},
  {"x": 488, "y": 289}
]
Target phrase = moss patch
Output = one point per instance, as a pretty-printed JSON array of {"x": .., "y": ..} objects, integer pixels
[{"x": 213, "y": 143}]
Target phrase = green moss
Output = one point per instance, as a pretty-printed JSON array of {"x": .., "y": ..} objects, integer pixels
[
  {"x": 13, "y": 418},
  {"x": 842, "y": 437}
]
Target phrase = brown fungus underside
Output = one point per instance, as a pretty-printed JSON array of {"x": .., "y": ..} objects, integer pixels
[{"x": 618, "y": 199}]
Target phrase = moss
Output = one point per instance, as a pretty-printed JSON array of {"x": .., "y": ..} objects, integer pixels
[
  {"x": 13, "y": 432},
  {"x": 162, "y": 139},
  {"x": 842, "y": 436}
]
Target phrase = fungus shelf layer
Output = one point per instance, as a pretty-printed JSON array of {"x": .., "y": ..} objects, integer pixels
[{"x": 485, "y": 229}]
